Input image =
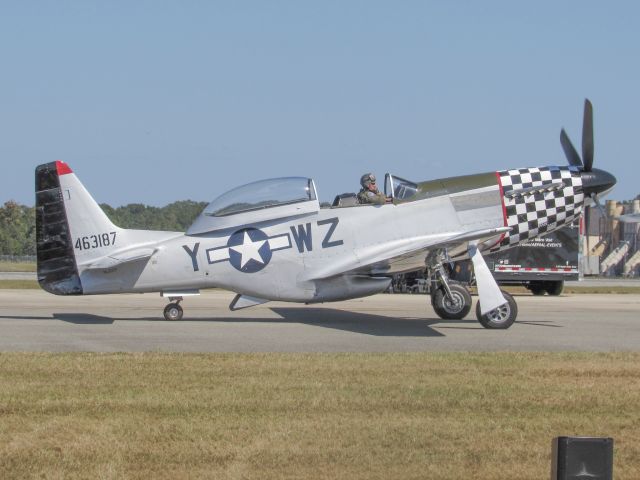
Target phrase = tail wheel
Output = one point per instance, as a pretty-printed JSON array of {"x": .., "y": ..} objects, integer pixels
[
  {"x": 173, "y": 312},
  {"x": 502, "y": 317},
  {"x": 453, "y": 308}
]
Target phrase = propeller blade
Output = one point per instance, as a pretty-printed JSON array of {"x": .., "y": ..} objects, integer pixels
[
  {"x": 595, "y": 199},
  {"x": 587, "y": 136},
  {"x": 569, "y": 150}
]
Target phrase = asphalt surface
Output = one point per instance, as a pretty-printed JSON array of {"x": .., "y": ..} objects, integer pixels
[{"x": 33, "y": 320}]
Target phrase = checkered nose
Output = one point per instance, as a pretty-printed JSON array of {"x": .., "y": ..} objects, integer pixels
[
  {"x": 596, "y": 181},
  {"x": 539, "y": 200}
]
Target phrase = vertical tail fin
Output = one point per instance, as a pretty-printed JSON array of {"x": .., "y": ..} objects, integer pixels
[{"x": 71, "y": 228}]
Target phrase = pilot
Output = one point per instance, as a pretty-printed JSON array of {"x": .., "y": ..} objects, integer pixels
[{"x": 369, "y": 192}]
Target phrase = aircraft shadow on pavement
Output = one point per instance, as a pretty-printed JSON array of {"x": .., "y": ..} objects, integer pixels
[
  {"x": 364, "y": 323},
  {"x": 83, "y": 318},
  {"x": 540, "y": 323},
  {"x": 77, "y": 318}
]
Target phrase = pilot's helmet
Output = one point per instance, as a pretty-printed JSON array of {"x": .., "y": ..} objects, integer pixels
[{"x": 367, "y": 179}]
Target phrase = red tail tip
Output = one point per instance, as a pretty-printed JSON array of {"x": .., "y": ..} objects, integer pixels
[{"x": 63, "y": 168}]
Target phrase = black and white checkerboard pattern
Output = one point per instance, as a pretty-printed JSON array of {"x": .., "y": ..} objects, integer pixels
[{"x": 539, "y": 212}]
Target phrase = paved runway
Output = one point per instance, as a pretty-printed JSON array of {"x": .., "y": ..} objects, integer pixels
[{"x": 32, "y": 320}]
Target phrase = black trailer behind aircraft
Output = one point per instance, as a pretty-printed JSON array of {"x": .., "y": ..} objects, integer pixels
[{"x": 542, "y": 264}]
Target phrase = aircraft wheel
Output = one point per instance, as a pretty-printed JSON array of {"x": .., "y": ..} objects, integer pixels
[
  {"x": 502, "y": 317},
  {"x": 452, "y": 310},
  {"x": 554, "y": 288},
  {"x": 173, "y": 312}
]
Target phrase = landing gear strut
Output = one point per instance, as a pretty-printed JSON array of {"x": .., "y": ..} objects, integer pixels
[
  {"x": 450, "y": 301},
  {"x": 173, "y": 311}
]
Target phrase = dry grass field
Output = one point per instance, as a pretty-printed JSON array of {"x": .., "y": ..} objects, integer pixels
[{"x": 362, "y": 416}]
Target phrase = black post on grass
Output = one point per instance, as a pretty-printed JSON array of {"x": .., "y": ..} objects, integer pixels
[{"x": 582, "y": 458}]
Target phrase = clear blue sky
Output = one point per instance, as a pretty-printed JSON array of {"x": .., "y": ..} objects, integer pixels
[{"x": 152, "y": 101}]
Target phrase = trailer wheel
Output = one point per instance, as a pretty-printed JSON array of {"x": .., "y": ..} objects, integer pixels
[
  {"x": 537, "y": 288},
  {"x": 555, "y": 288},
  {"x": 452, "y": 310}
]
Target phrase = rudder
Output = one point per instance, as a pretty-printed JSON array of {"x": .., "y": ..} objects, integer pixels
[
  {"x": 57, "y": 269},
  {"x": 71, "y": 229}
]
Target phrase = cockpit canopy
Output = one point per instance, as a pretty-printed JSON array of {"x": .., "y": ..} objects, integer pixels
[
  {"x": 262, "y": 194},
  {"x": 277, "y": 198},
  {"x": 258, "y": 201},
  {"x": 399, "y": 188}
]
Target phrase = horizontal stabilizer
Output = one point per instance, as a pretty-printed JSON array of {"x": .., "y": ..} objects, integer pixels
[{"x": 115, "y": 259}]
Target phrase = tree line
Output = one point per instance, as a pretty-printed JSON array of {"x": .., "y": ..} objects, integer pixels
[{"x": 18, "y": 222}]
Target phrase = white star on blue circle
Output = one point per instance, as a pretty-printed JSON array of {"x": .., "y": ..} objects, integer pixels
[{"x": 249, "y": 250}]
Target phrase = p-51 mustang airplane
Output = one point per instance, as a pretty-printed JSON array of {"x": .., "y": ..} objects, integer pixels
[{"x": 271, "y": 240}]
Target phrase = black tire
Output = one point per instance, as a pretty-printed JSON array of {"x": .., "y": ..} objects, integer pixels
[
  {"x": 448, "y": 310},
  {"x": 537, "y": 288},
  {"x": 500, "y": 318},
  {"x": 554, "y": 288},
  {"x": 173, "y": 312}
]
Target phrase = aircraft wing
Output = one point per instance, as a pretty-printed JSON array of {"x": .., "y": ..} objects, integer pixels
[{"x": 390, "y": 257}]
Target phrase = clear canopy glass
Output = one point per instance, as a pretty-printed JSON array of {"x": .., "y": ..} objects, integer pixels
[
  {"x": 262, "y": 194},
  {"x": 399, "y": 188}
]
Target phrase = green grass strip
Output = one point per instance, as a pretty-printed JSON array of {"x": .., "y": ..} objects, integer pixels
[
  {"x": 17, "y": 267},
  {"x": 19, "y": 284}
]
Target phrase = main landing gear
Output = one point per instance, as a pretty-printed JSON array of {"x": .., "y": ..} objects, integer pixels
[
  {"x": 173, "y": 311},
  {"x": 452, "y": 301}
]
